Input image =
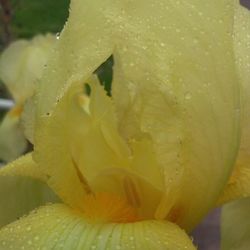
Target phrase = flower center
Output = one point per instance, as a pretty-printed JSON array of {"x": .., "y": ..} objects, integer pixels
[{"x": 107, "y": 207}]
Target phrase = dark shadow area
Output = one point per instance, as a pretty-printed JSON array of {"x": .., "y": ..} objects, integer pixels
[{"x": 245, "y": 3}]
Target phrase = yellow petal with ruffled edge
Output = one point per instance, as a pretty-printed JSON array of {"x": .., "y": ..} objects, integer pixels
[
  {"x": 239, "y": 183},
  {"x": 22, "y": 189},
  {"x": 93, "y": 156},
  {"x": 58, "y": 227},
  {"x": 52, "y": 153},
  {"x": 235, "y": 225},
  {"x": 12, "y": 140},
  {"x": 175, "y": 77}
]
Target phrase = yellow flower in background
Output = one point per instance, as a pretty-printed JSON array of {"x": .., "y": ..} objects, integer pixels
[
  {"x": 21, "y": 66},
  {"x": 135, "y": 170}
]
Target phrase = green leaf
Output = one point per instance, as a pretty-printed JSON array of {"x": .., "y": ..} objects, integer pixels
[{"x": 35, "y": 16}]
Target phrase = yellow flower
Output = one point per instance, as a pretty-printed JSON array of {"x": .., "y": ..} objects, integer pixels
[
  {"x": 136, "y": 169},
  {"x": 21, "y": 66}
]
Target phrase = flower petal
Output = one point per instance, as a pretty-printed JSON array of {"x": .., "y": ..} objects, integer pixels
[
  {"x": 58, "y": 227},
  {"x": 174, "y": 79},
  {"x": 239, "y": 183},
  {"x": 23, "y": 166},
  {"x": 22, "y": 63},
  {"x": 19, "y": 195},
  {"x": 235, "y": 225},
  {"x": 84, "y": 44},
  {"x": 53, "y": 139},
  {"x": 28, "y": 119},
  {"x": 19, "y": 192},
  {"x": 12, "y": 140}
]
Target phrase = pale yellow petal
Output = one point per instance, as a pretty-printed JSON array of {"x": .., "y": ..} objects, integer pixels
[
  {"x": 19, "y": 195},
  {"x": 175, "y": 80},
  {"x": 22, "y": 63},
  {"x": 239, "y": 183},
  {"x": 23, "y": 166},
  {"x": 79, "y": 51},
  {"x": 58, "y": 227},
  {"x": 22, "y": 188},
  {"x": 53, "y": 139},
  {"x": 84, "y": 44},
  {"x": 12, "y": 140},
  {"x": 28, "y": 119}
]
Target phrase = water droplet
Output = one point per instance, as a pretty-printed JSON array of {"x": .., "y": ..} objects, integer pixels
[
  {"x": 188, "y": 96},
  {"x": 36, "y": 238},
  {"x": 195, "y": 41}
]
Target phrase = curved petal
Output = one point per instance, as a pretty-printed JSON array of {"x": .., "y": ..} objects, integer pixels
[
  {"x": 22, "y": 63},
  {"x": 58, "y": 227},
  {"x": 175, "y": 80},
  {"x": 23, "y": 166},
  {"x": 19, "y": 195},
  {"x": 12, "y": 140},
  {"x": 84, "y": 44},
  {"x": 19, "y": 191},
  {"x": 239, "y": 184},
  {"x": 52, "y": 149},
  {"x": 235, "y": 225}
]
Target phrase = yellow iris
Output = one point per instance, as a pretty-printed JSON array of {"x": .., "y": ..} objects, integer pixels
[
  {"x": 135, "y": 170},
  {"x": 21, "y": 66}
]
